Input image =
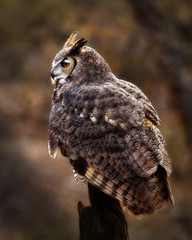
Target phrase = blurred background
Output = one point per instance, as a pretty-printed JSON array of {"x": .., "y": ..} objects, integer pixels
[{"x": 146, "y": 42}]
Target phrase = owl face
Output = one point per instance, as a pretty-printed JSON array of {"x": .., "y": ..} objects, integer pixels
[
  {"x": 62, "y": 69},
  {"x": 77, "y": 63}
]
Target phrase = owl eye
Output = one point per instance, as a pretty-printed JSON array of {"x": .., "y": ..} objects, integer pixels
[
  {"x": 66, "y": 63},
  {"x": 67, "y": 66}
]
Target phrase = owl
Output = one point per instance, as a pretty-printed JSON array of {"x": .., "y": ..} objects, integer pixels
[{"x": 108, "y": 130}]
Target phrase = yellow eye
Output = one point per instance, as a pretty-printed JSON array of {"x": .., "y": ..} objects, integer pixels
[{"x": 66, "y": 63}]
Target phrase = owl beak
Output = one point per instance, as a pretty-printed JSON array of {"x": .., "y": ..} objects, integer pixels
[
  {"x": 57, "y": 77},
  {"x": 53, "y": 74}
]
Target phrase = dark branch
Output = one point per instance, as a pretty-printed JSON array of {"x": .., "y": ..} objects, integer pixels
[{"x": 103, "y": 219}]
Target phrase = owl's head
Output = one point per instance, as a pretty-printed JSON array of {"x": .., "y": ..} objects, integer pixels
[{"x": 78, "y": 63}]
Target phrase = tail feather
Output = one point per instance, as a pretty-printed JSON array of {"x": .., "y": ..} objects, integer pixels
[{"x": 140, "y": 195}]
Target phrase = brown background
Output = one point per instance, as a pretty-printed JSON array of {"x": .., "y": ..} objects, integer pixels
[{"x": 146, "y": 42}]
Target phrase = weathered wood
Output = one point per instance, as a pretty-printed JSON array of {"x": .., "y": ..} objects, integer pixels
[{"x": 104, "y": 219}]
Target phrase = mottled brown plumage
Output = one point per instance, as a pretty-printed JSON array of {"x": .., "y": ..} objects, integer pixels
[{"x": 108, "y": 129}]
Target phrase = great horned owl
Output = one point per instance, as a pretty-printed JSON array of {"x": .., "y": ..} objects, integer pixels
[{"x": 108, "y": 129}]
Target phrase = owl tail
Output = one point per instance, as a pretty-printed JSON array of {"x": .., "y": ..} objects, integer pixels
[
  {"x": 151, "y": 193},
  {"x": 142, "y": 196},
  {"x": 163, "y": 188}
]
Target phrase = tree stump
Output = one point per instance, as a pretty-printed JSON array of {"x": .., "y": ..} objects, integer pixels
[{"x": 103, "y": 220}]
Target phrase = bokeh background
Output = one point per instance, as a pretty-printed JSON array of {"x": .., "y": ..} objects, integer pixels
[{"x": 148, "y": 42}]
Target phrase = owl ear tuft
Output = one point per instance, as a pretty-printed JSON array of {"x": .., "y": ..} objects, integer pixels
[
  {"x": 78, "y": 45},
  {"x": 71, "y": 40},
  {"x": 75, "y": 45}
]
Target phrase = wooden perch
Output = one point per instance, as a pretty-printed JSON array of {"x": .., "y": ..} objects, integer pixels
[{"x": 103, "y": 219}]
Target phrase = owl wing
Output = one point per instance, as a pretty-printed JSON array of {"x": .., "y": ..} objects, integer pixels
[
  {"x": 114, "y": 142},
  {"x": 148, "y": 109},
  {"x": 124, "y": 123}
]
